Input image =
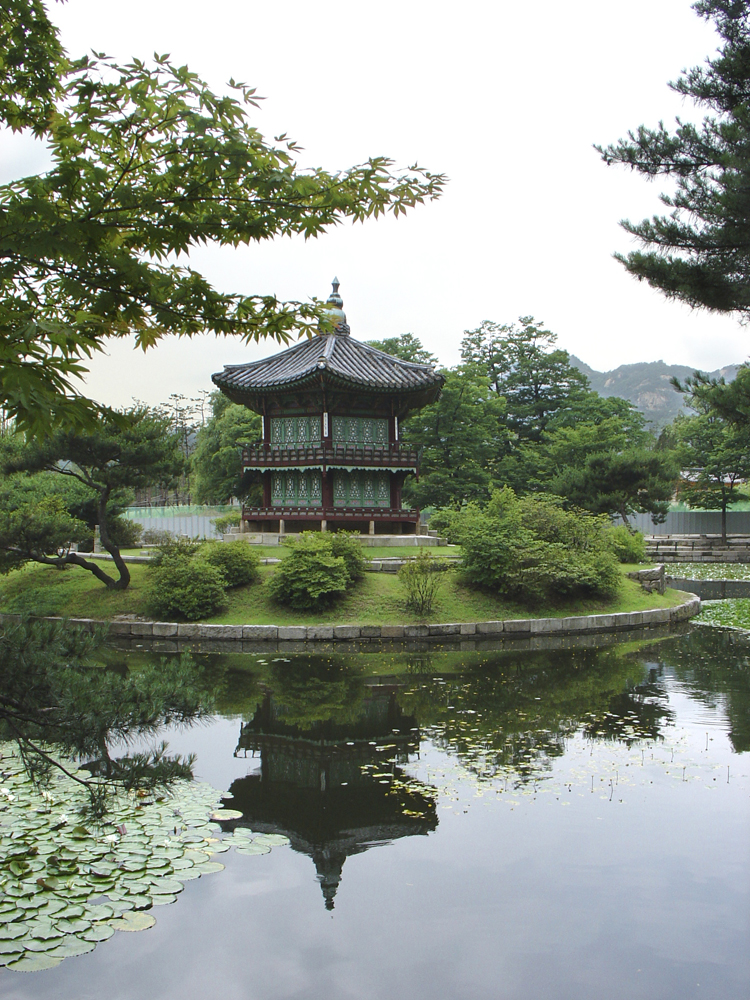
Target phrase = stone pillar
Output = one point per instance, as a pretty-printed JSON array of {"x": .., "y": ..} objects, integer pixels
[
  {"x": 372, "y": 527},
  {"x": 324, "y": 525},
  {"x": 244, "y": 526},
  {"x": 97, "y": 539},
  {"x": 281, "y": 526}
]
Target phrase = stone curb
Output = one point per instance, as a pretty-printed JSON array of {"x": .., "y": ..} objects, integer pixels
[{"x": 520, "y": 628}]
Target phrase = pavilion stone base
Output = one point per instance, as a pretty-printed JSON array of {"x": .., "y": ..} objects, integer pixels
[{"x": 274, "y": 538}]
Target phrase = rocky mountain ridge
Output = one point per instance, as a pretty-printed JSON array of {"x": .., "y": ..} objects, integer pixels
[{"x": 647, "y": 384}]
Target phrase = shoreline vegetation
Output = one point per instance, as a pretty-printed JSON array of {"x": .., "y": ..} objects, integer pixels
[{"x": 377, "y": 599}]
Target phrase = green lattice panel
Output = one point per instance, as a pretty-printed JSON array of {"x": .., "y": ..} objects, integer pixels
[
  {"x": 369, "y": 431},
  {"x": 294, "y": 432},
  {"x": 296, "y": 489},
  {"x": 361, "y": 489}
]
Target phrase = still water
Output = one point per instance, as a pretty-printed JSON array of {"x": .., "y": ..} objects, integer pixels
[{"x": 524, "y": 825}]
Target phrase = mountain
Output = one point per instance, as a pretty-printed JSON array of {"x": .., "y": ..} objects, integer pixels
[{"x": 647, "y": 385}]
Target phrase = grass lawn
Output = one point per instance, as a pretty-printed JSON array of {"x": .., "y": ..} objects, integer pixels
[{"x": 376, "y": 600}]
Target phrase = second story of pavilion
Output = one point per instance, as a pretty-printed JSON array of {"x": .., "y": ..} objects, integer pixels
[{"x": 331, "y": 401}]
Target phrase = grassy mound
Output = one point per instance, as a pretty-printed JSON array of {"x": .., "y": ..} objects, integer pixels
[{"x": 378, "y": 599}]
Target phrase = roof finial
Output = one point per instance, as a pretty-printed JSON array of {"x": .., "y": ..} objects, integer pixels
[
  {"x": 334, "y": 298},
  {"x": 335, "y": 311}
]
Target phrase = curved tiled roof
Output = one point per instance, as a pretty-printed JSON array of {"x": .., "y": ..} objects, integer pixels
[{"x": 338, "y": 358}]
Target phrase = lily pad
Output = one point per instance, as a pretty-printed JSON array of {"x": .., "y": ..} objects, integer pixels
[
  {"x": 34, "y": 963},
  {"x": 254, "y": 848},
  {"x": 10, "y": 932},
  {"x": 99, "y": 932},
  {"x": 73, "y": 926},
  {"x": 72, "y": 947},
  {"x": 208, "y": 867},
  {"x": 139, "y": 921},
  {"x": 167, "y": 887},
  {"x": 272, "y": 839},
  {"x": 225, "y": 814},
  {"x": 11, "y": 947}
]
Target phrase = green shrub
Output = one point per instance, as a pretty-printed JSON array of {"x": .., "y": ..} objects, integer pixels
[
  {"x": 227, "y": 521},
  {"x": 628, "y": 546},
  {"x": 236, "y": 560},
  {"x": 348, "y": 546},
  {"x": 311, "y": 576},
  {"x": 171, "y": 549},
  {"x": 533, "y": 550},
  {"x": 152, "y": 536},
  {"x": 445, "y": 521},
  {"x": 421, "y": 578},
  {"x": 185, "y": 588},
  {"x": 126, "y": 534}
]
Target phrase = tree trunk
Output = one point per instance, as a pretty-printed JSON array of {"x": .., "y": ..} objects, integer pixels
[
  {"x": 724, "y": 524},
  {"x": 109, "y": 545}
]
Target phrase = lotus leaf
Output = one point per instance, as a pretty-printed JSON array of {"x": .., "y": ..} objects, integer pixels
[
  {"x": 10, "y": 948},
  {"x": 133, "y": 922},
  {"x": 254, "y": 849},
  {"x": 225, "y": 814},
  {"x": 72, "y": 947},
  {"x": 271, "y": 839},
  {"x": 73, "y": 926},
  {"x": 11, "y": 931},
  {"x": 99, "y": 932},
  {"x": 34, "y": 963},
  {"x": 167, "y": 887}
]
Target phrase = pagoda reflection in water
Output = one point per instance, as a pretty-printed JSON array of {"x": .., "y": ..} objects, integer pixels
[{"x": 334, "y": 788}]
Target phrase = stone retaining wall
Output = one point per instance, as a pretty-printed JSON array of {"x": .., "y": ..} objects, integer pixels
[
  {"x": 698, "y": 548},
  {"x": 712, "y": 590},
  {"x": 511, "y": 629}
]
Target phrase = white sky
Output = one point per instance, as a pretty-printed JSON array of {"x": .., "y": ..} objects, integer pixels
[{"x": 505, "y": 98}]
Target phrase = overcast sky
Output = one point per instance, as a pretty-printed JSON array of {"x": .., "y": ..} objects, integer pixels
[{"x": 505, "y": 98}]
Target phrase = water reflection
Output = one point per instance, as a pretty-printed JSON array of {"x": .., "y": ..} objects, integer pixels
[{"x": 331, "y": 774}]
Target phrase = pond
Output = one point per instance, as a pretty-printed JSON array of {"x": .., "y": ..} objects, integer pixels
[{"x": 565, "y": 824}]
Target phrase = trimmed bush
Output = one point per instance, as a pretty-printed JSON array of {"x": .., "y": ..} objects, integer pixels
[
  {"x": 533, "y": 550},
  {"x": 628, "y": 546},
  {"x": 171, "y": 549},
  {"x": 348, "y": 546},
  {"x": 311, "y": 576},
  {"x": 151, "y": 536},
  {"x": 185, "y": 588},
  {"x": 227, "y": 521},
  {"x": 236, "y": 560},
  {"x": 126, "y": 534},
  {"x": 422, "y": 578}
]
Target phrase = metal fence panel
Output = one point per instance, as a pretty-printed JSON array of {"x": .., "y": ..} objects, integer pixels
[{"x": 693, "y": 522}]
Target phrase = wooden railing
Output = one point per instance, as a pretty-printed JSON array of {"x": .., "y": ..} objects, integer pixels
[
  {"x": 398, "y": 456},
  {"x": 407, "y": 515}
]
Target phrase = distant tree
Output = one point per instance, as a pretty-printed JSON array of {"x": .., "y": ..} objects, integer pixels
[
  {"x": 131, "y": 450},
  {"x": 699, "y": 253},
  {"x": 147, "y": 163},
  {"x": 217, "y": 459},
  {"x": 716, "y": 462},
  {"x": 407, "y": 347},
  {"x": 636, "y": 480},
  {"x": 460, "y": 436},
  {"x": 728, "y": 400},
  {"x": 523, "y": 365},
  {"x": 600, "y": 457}
]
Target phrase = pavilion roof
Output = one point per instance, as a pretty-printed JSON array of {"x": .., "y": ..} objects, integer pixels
[
  {"x": 335, "y": 358},
  {"x": 339, "y": 359}
]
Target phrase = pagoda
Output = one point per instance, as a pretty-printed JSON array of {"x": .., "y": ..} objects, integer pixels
[{"x": 330, "y": 455}]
